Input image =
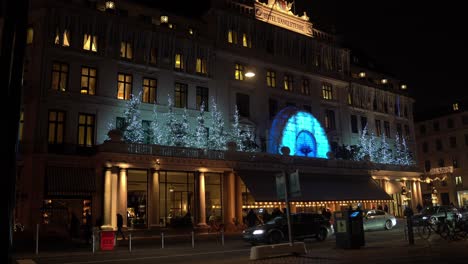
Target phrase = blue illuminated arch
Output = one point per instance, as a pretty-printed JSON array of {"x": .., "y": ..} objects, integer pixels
[{"x": 300, "y": 131}]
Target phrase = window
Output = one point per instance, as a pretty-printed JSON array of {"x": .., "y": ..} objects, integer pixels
[
  {"x": 427, "y": 165},
  {"x": 271, "y": 79},
  {"x": 239, "y": 72},
  {"x": 246, "y": 40},
  {"x": 179, "y": 62},
  {"x": 435, "y": 126},
  {"x": 453, "y": 142},
  {"x": 422, "y": 129},
  {"x": 327, "y": 91},
  {"x": 62, "y": 38},
  {"x": 378, "y": 128},
  {"x": 201, "y": 66},
  {"x": 126, "y": 50},
  {"x": 86, "y": 130},
  {"x": 363, "y": 122},
  {"x": 153, "y": 55},
  {"x": 350, "y": 99},
  {"x": 458, "y": 180},
  {"x": 124, "y": 86},
  {"x": 441, "y": 163},
  {"x": 202, "y": 97},
  {"x": 425, "y": 147},
  {"x": 386, "y": 125},
  {"x": 147, "y": 133},
  {"x": 354, "y": 124},
  {"x": 180, "y": 95},
  {"x": 455, "y": 107},
  {"x": 272, "y": 107},
  {"x": 56, "y": 127},
  {"x": 59, "y": 76},
  {"x": 29, "y": 35},
  {"x": 243, "y": 104},
  {"x": 288, "y": 82},
  {"x": 232, "y": 37},
  {"x": 450, "y": 123},
  {"x": 88, "y": 80},
  {"x": 120, "y": 123},
  {"x": 455, "y": 163},
  {"x": 305, "y": 87},
  {"x": 149, "y": 90},
  {"x": 21, "y": 126},
  {"x": 330, "y": 120},
  {"x": 438, "y": 144},
  {"x": 90, "y": 42}
]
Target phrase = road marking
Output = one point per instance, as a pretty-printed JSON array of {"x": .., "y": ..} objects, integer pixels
[{"x": 157, "y": 257}]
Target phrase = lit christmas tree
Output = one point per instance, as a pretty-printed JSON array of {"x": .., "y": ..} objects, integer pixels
[
  {"x": 385, "y": 153},
  {"x": 182, "y": 132},
  {"x": 156, "y": 128},
  {"x": 363, "y": 146},
  {"x": 217, "y": 137},
  {"x": 407, "y": 158},
  {"x": 133, "y": 130},
  {"x": 201, "y": 133},
  {"x": 398, "y": 152},
  {"x": 171, "y": 124},
  {"x": 236, "y": 133},
  {"x": 248, "y": 142}
]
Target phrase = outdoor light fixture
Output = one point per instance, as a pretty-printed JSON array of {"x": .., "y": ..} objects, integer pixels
[
  {"x": 110, "y": 5},
  {"x": 171, "y": 189},
  {"x": 249, "y": 73},
  {"x": 362, "y": 74},
  {"x": 384, "y": 81},
  {"x": 403, "y": 87},
  {"x": 164, "y": 19}
]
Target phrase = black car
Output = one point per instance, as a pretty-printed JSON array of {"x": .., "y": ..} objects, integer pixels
[
  {"x": 303, "y": 225},
  {"x": 434, "y": 214}
]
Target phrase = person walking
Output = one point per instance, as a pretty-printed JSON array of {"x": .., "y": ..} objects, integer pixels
[
  {"x": 251, "y": 218},
  {"x": 119, "y": 226},
  {"x": 88, "y": 230}
]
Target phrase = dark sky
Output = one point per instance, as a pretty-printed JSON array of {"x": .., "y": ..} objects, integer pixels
[{"x": 420, "y": 43}]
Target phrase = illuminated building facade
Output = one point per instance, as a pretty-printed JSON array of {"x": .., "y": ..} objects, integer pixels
[
  {"x": 442, "y": 147},
  {"x": 85, "y": 59}
]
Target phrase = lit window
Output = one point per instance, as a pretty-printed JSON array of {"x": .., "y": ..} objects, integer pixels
[
  {"x": 88, "y": 80},
  {"x": 56, "y": 127},
  {"x": 110, "y": 5},
  {"x": 62, "y": 38},
  {"x": 179, "y": 62},
  {"x": 288, "y": 82},
  {"x": 126, "y": 50},
  {"x": 246, "y": 41},
  {"x": 149, "y": 90},
  {"x": 458, "y": 180},
  {"x": 232, "y": 37},
  {"x": 239, "y": 72},
  {"x": 271, "y": 79},
  {"x": 330, "y": 120},
  {"x": 305, "y": 88},
  {"x": 201, "y": 66},
  {"x": 403, "y": 87},
  {"x": 59, "y": 76},
  {"x": 180, "y": 95},
  {"x": 327, "y": 92},
  {"x": 124, "y": 86},
  {"x": 86, "y": 130},
  {"x": 90, "y": 42},
  {"x": 455, "y": 107},
  {"x": 29, "y": 35},
  {"x": 164, "y": 19}
]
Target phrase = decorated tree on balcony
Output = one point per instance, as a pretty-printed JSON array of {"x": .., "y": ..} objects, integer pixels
[
  {"x": 385, "y": 153},
  {"x": 157, "y": 129},
  {"x": 397, "y": 151},
  {"x": 182, "y": 134},
  {"x": 236, "y": 132},
  {"x": 406, "y": 158},
  {"x": 363, "y": 145},
  {"x": 201, "y": 133},
  {"x": 132, "y": 127},
  {"x": 217, "y": 135}
]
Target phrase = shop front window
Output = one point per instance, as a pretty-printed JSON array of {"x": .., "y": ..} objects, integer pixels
[
  {"x": 213, "y": 195},
  {"x": 137, "y": 193},
  {"x": 176, "y": 190}
]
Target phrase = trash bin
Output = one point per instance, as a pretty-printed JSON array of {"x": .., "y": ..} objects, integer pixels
[
  {"x": 107, "y": 240},
  {"x": 349, "y": 229}
]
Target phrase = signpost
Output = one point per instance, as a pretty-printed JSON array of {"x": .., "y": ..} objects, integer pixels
[{"x": 287, "y": 185}]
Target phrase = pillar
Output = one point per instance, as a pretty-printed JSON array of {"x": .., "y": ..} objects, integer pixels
[
  {"x": 154, "y": 193},
  {"x": 107, "y": 198},
  {"x": 238, "y": 198},
  {"x": 229, "y": 197},
  {"x": 122, "y": 195},
  {"x": 201, "y": 199},
  {"x": 113, "y": 211}
]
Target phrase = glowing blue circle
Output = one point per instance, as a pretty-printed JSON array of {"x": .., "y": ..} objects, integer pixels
[{"x": 300, "y": 131}]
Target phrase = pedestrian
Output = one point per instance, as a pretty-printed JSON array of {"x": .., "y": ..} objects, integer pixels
[
  {"x": 251, "y": 218},
  {"x": 385, "y": 208},
  {"x": 419, "y": 208},
  {"x": 88, "y": 230},
  {"x": 119, "y": 226}
]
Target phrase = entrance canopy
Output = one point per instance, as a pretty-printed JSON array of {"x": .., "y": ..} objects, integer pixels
[{"x": 314, "y": 187}]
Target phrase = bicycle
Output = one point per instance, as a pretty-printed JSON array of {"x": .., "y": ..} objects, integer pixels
[{"x": 434, "y": 225}]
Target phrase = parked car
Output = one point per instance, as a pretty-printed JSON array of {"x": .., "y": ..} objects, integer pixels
[
  {"x": 435, "y": 214},
  {"x": 303, "y": 225},
  {"x": 378, "y": 220}
]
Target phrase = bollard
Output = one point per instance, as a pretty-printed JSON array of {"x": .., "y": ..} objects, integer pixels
[
  {"x": 409, "y": 223},
  {"x": 94, "y": 242},
  {"x": 130, "y": 242},
  {"x": 222, "y": 237},
  {"x": 37, "y": 239},
  {"x": 162, "y": 239},
  {"x": 193, "y": 239}
]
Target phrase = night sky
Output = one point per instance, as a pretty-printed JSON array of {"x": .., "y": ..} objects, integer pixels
[{"x": 420, "y": 44}]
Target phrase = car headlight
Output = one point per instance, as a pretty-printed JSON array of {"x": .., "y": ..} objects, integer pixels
[
  {"x": 424, "y": 217},
  {"x": 258, "y": 232}
]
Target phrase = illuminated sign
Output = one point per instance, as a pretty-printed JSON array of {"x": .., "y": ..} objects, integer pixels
[
  {"x": 300, "y": 131},
  {"x": 282, "y": 17},
  {"x": 441, "y": 170}
]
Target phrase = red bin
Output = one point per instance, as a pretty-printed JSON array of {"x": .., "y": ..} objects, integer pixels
[{"x": 107, "y": 240}]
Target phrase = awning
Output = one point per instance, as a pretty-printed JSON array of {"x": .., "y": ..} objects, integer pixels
[
  {"x": 70, "y": 181},
  {"x": 262, "y": 186}
]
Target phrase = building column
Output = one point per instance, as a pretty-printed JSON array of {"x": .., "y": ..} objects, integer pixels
[
  {"x": 154, "y": 193},
  {"x": 122, "y": 195},
  {"x": 114, "y": 185},
  {"x": 107, "y": 218},
  {"x": 201, "y": 199},
  {"x": 238, "y": 198},
  {"x": 229, "y": 198}
]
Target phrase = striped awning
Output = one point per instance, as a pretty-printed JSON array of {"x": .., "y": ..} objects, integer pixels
[{"x": 70, "y": 181}]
